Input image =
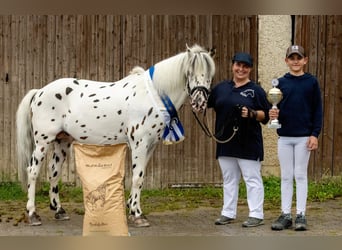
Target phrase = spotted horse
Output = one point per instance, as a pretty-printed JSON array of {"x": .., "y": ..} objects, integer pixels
[{"x": 140, "y": 110}]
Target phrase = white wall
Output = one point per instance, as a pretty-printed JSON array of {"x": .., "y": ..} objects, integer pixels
[{"x": 274, "y": 38}]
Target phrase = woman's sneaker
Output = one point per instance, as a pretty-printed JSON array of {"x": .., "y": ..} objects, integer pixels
[
  {"x": 300, "y": 222},
  {"x": 283, "y": 222},
  {"x": 253, "y": 222},
  {"x": 223, "y": 220}
]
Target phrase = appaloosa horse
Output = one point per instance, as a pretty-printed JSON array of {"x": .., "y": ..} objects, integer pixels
[{"x": 140, "y": 109}]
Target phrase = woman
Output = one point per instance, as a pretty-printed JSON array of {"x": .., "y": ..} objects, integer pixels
[{"x": 241, "y": 104}]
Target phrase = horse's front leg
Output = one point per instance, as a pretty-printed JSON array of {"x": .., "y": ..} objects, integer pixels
[
  {"x": 55, "y": 170},
  {"x": 136, "y": 215},
  {"x": 139, "y": 162}
]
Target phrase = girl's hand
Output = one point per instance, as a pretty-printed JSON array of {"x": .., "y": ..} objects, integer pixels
[
  {"x": 273, "y": 113},
  {"x": 312, "y": 143}
]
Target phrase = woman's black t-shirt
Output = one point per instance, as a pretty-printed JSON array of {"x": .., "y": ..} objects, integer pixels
[{"x": 227, "y": 102}]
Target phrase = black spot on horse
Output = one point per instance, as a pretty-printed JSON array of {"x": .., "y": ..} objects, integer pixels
[
  {"x": 76, "y": 82},
  {"x": 83, "y": 137},
  {"x": 143, "y": 121},
  {"x": 132, "y": 134},
  {"x": 96, "y": 100},
  {"x": 54, "y": 202},
  {"x": 119, "y": 112},
  {"x": 54, "y": 208},
  {"x": 39, "y": 103},
  {"x": 92, "y": 95},
  {"x": 36, "y": 161},
  {"x": 68, "y": 90},
  {"x": 58, "y": 96},
  {"x": 125, "y": 85},
  {"x": 150, "y": 111},
  {"x": 55, "y": 174},
  {"x": 55, "y": 189}
]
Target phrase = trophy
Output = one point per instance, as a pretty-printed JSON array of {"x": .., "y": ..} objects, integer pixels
[{"x": 274, "y": 96}]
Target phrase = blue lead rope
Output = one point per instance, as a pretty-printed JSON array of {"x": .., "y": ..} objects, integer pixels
[{"x": 174, "y": 131}]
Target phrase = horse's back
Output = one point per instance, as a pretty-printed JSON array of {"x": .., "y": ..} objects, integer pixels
[{"x": 91, "y": 111}]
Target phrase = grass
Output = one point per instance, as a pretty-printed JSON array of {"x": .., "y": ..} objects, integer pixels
[{"x": 183, "y": 198}]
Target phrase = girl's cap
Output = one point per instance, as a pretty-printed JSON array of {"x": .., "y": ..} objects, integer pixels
[{"x": 295, "y": 49}]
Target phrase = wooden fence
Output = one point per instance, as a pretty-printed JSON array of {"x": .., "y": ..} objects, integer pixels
[
  {"x": 322, "y": 37},
  {"x": 37, "y": 49}
]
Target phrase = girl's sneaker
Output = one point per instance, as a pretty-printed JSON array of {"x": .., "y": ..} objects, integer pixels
[
  {"x": 283, "y": 222},
  {"x": 300, "y": 222}
]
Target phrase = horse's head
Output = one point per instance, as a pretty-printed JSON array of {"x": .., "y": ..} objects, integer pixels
[{"x": 200, "y": 70}]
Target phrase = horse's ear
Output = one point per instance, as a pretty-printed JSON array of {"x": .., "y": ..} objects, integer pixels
[{"x": 212, "y": 52}]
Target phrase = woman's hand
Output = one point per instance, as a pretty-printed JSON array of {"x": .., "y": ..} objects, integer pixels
[{"x": 251, "y": 113}]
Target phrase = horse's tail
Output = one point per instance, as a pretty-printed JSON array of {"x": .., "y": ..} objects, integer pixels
[{"x": 25, "y": 143}]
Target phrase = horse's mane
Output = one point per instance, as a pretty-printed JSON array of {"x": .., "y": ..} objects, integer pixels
[
  {"x": 137, "y": 70},
  {"x": 194, "y": 59}
]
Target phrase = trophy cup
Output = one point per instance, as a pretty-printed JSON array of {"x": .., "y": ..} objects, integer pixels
[{"x": 274, "y": 96}]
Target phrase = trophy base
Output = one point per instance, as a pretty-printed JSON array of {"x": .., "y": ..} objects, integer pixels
[{"x": 274, "y": 125}]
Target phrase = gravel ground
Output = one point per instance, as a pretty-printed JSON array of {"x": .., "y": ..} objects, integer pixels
[{"x": 324, "y": 219}]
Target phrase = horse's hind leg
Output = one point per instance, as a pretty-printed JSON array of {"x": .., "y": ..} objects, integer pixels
[
  {"x": 32, "y": 175},
  {"x": 55, "y": 169}
]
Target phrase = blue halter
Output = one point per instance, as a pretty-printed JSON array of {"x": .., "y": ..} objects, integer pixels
[{"x": 174, "y": 131}]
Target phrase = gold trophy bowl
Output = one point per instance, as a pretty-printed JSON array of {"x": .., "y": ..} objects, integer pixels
[{"x": 274, "y": 96}]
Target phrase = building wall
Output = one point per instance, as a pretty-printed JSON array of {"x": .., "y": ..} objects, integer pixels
[{"x": 274, "y": 38}]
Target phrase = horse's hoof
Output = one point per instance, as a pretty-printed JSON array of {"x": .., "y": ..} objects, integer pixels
[
  {"x": 34, "y": 219},
  {"x": 61, "y": 215},
  {"x": 139, "y": 221}
]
